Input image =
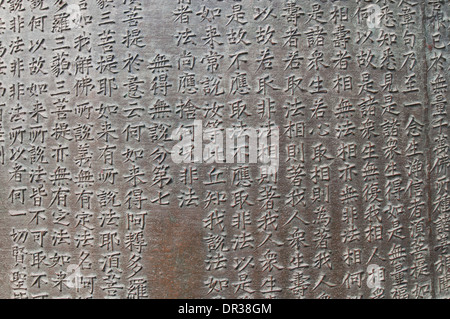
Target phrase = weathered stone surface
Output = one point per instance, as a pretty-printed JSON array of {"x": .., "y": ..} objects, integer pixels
[{"x": 235, "y": 149}]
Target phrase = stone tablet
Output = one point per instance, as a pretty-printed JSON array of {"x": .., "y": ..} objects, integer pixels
[{"x": 224, "y": 149}]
